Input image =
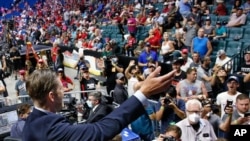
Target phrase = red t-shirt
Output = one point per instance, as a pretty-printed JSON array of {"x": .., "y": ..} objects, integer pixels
[
  {"x": 131, "y": 41},
  {"x": 66, "y": 81},
  {"x": 54, "y": 52}
]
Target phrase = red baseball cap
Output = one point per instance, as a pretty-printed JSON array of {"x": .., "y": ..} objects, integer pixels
[
  {"x": 22, "y": 72},
  {"x": 184, "y": 51}
]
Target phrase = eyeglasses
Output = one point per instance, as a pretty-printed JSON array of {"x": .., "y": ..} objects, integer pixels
[{"x": 197, "y": 112}]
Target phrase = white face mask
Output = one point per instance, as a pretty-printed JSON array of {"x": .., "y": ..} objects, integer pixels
[
  {"x": 194, "y": 118},
  {"x": 89, "y": 103}
]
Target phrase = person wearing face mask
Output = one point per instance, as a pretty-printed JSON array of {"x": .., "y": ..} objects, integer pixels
[
  {"x": 193, "y": 127},
  {"x": 98, "y": 108}
]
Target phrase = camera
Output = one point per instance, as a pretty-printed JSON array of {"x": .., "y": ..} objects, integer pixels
[
  {"x": 168, "y": 100},
  {"x": 171, "y": 138}
]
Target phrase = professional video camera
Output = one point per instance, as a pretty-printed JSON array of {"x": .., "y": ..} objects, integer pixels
[
  {"x": 69, "y": 111},
  {"x": 171, "y": 138}
]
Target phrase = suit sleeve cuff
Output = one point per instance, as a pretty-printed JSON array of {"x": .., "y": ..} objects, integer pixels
[{"x": 141, "y": 97}]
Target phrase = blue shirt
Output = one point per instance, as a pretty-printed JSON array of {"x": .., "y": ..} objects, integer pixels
[
  {"x": 200, "y": 45},
  {"x": 146, "y": 57},
  {"x": 184, "y": 7},
  {"x": 169, "y": 115},
  {"x": 17, "y": 129},
  {"x": 143, "y": 124},
  {"x": 220, "y": 31}
]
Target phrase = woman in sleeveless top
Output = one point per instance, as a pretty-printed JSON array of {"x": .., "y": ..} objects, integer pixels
[
  {"x": 209, "y": 30},
  {"x": 167, "y": 47}
]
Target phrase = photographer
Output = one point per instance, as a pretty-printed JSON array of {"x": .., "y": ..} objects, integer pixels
[
  {"x": 173, "y": 133},
  {"x": 209, "y": 114},
  {"x": 112, "y": 67},
  {"x": 240, "y": 115},
  {"x": 170, "y": 109}
]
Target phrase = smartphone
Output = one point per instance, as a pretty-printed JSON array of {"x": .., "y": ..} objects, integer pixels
[
  {"x": 247, "y": 114},
  {"x": 229, "y": 104}
]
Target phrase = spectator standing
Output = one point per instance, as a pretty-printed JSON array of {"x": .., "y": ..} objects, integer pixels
[
  {"x": 204, "y": 74},
  {"x": 20, "y": 86},
  {"x": 191, "y": 88},
  {"x": 221, "y": 9},
  {"x": 133, "y": 75},
  {"x": 196, "y": 60},
  {"x": 81, "y": 62},
  {"x": 185, "y": 8},
  {"x": 222, "y": 59},
  {"x": 170, "y": 109},
  {"x": 65, "y": 80},
  {"x": 242, "y": 104},
  {"x": 179, "y": 74},
  {"x": 86, "y": 81},
  {"x": 230, "y": 94},
  {"x": 201, "y": 44},
  {"x": 120, "y": 93},
  {"x": 194, "y": 124},
  {"x": 214, "y": 119},
  {"x": 190, "y": 31},
  {"x": 131, "y": 23},
  {"x": 112, "y": 67},
  {"x": 219, "y": 80},
  {"x": 209, "y": 29},
  {"x": 59, "y": 59},
  {"x": 15, "y": 58},
  {"x": 147, "y": 56},
  {"x": 167, "y": 47},
  {"x": 186, "y": 58}
]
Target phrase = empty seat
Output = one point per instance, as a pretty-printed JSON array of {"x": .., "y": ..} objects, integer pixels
[
  {"x": 235, "y": 33},
  {"x": 246, "y": 35},
  {"x": 233, "y": 47},
  {"x": 223, "y": 18},
  {"x": 218, "y": 45}
]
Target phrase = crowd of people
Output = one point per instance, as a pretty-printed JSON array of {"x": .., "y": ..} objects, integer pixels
[{"x": 198, "y": 100}]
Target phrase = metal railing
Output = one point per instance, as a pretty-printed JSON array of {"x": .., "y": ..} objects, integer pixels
[{"x": 237, "y": 60}]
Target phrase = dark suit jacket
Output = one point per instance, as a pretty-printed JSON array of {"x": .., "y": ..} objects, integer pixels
[
  {"x": 41, "y": 126},
  {"x": 101, "y": 111}
]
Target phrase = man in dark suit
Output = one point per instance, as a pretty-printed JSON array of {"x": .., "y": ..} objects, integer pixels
[
  {"x": 43, "y": 124},
  {"x": 98, "y": 109}
]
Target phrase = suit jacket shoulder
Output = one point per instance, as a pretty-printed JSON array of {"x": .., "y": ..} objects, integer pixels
[{"x": 42, "y": 126}]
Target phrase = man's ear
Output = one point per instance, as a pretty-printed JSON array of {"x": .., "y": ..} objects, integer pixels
[{"x": 51, "y": 96}]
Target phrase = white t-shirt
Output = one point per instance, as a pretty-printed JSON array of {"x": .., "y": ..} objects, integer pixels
[
  {"x": 220, "y": 62},
  {"x": 222, "y": 98},
  {"x": 131, "y": 83}
]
